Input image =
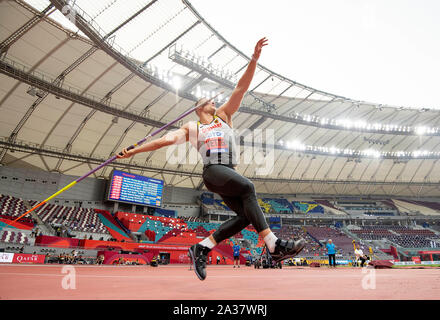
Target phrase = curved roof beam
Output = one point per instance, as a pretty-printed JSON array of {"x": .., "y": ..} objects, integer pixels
[
  {"x": 29, "y": 147},
  {"x": 109, "y": 48},
  {"x": 18, "y": 71}
]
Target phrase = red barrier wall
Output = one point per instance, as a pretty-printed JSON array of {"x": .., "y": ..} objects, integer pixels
[
  {"x": 178, "y": 253},
  {"x": 59, "y": 242},
  {"x": 111, "y": 257}
]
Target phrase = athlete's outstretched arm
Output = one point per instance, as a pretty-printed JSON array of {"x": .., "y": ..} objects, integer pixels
[
  {"x": 233, "y": 104},
  {"x": 175, "y": 137}
]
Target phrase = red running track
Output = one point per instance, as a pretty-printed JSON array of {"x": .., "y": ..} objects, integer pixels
[{"x": 176, "y": 282}]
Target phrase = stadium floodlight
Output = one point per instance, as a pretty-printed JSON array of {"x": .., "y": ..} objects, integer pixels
[
  {"x": 346, "y": 123},
  {"x": 372, "y": 153},
  {"x": 296, "y": 145},
  {"x": 419, "y": 153},
  {"x": 360, "y": 124},
  {"x": 420, "y": 130},
  {"x": 177, "y": 83}
]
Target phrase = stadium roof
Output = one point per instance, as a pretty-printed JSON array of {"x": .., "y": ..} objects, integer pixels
[{"x": 80, "y": 82}]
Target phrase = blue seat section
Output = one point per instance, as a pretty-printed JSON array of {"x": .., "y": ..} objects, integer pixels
[
  {"x": 251, "y": 236},
  {"x": 208, "y": 226},
  {"x": 279, "y": 205},
  {"x": 220, "y": 203},
  {"x": 165, "y": 213},
  {"x": 308, "y": 206},
  {"x": 207, "y": 198}
]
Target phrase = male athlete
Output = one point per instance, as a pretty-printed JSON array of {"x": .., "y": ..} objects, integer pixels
[
  {"x": 213, "y": 137},
  {"x": 236, "y": 253}
]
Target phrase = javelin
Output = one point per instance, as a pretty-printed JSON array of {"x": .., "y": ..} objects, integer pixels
[{"x": 114, "y": 158}]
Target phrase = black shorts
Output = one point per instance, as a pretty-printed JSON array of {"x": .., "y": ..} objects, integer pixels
[{"x": 236, "y": 257}]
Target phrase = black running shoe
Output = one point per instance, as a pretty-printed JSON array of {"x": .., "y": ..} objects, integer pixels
[
  {"x": 198, "y": 255},
  {"x": 285, "y": 249}
]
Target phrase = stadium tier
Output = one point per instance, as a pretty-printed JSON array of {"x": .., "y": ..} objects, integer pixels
[
  {"x": 77, "y": 219},
  {"x": 12, "y": 207},
  {"x": 398, "y": 235},
  {"x": 343, "y": 243},
  {"x": 14, "y": 237}
]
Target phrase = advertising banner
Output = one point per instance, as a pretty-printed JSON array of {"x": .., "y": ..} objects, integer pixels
[
  {"x": 404, "y": 263},
  {"x": 416, "y": 259},
  {"x": 430, "y": 262},
  {"x": 28, "y": 258},
  {"x": 6, "y": 257}
]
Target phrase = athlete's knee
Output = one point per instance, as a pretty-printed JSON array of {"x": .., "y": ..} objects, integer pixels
[
  {"x": 243, "y": 221},
  {"x": 248, "y": 188}
]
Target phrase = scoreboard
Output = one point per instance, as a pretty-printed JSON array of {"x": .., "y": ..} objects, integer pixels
[{"x": 135, "y": 189}]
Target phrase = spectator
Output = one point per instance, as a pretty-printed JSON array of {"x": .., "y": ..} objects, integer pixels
[
  {"x": 218, "y": 259},
  {"x": 360, "y": 255},
  {"x": 331, "y": 251},
  {"x": 236, "y": 249},
  {"x": 74, "y": 256},
  {"x": 100, "y": 259}
]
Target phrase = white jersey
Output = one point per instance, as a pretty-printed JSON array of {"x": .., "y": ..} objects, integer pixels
[{"x": 216, "y": 142}]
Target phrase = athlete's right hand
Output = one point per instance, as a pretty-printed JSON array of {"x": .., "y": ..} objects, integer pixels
[{"x": 125, "y": 153}]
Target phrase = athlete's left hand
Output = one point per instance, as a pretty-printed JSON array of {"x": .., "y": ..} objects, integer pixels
[{"x": 260, "y": 44}]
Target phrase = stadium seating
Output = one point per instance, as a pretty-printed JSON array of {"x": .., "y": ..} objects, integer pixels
[
  {"x": 77, "y": 219},
  {"x": 372, "y": 232},
  {"x": 366, "y": 207},
  {"x": 159, "y": 228},
  {"x": 414, "y": 207},
  {"x": 308, "y": 207},
  {"x": 265, "y": 207},
  {"x": 12, "y": 207},
  {"x": 400, "y": 235},
  {"x": 221, "y": 205},
  {"x": 278, "y": 205},
  {"x": 16, "y": 237},
  {"x": 343, "y": 243},
  {"x": 268, "y": 205}
]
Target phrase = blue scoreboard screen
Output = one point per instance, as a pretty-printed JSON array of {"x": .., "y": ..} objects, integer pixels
[{"x": 132, "y": 188}]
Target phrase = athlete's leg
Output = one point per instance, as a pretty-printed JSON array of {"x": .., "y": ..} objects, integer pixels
[
  {"x": 227, "y": 182},
  {"x": 234, "y": 225}
]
